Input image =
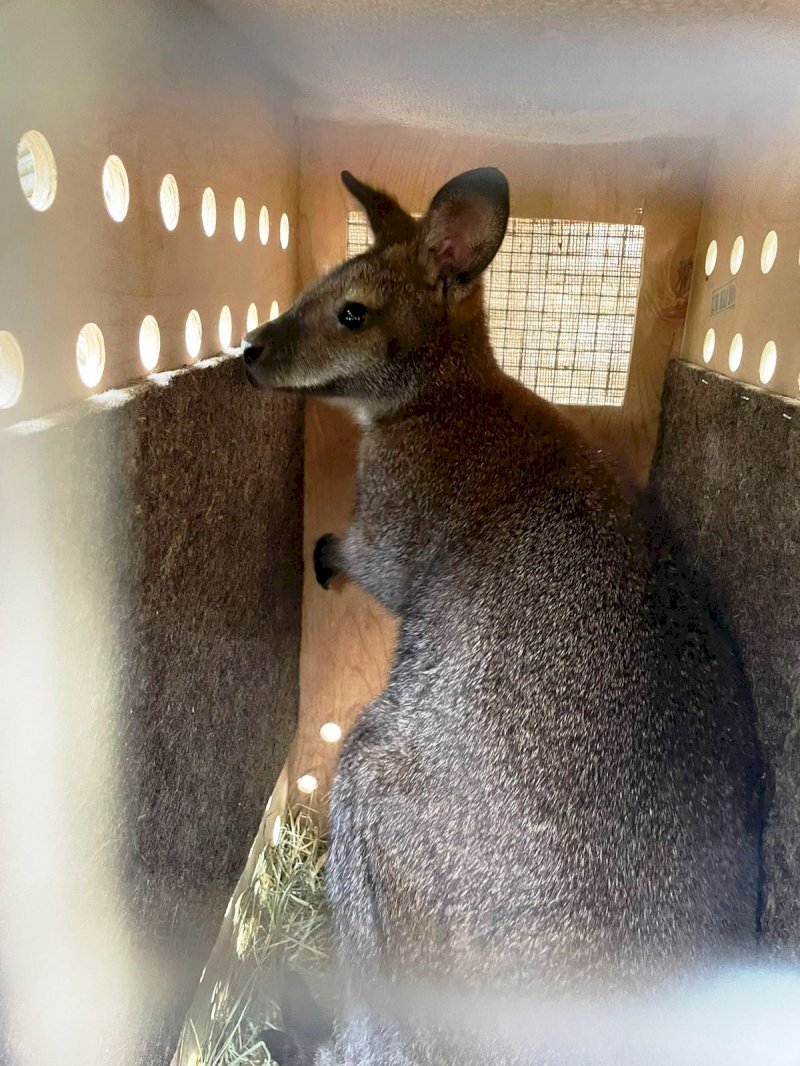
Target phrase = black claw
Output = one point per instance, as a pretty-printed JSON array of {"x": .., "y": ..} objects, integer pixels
[
  {"x": 307, "y": 1025},
  {"x": 324, "y": 568},
  {"x": 276, "y": 1044}
]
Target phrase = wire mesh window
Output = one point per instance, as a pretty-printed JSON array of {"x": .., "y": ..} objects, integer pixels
[{"x": 561, "y": 301}]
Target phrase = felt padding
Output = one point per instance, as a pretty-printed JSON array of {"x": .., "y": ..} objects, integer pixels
[
  {"x": 172, "y": 521},
  {"x": 727, "y": 472}
]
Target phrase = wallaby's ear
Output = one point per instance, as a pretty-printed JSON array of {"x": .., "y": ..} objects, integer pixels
[
  {"x": 463, "y": 229},
  {"x": 390, "y": 223}
]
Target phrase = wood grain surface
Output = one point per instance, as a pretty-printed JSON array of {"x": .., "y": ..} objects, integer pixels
[{"x": 752, "y": 189}]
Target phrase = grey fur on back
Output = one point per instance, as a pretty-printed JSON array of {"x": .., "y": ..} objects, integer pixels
[{"x": 560, "y": 786}]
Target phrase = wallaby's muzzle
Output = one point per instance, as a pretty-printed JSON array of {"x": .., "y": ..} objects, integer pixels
[{"x": 267, "y": 352}]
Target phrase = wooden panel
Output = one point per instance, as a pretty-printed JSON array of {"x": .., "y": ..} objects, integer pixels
[
  {"x": 752, "y": 189},
  {"x": 186, "y": 100},
  {"x": 347, "y": 639}
]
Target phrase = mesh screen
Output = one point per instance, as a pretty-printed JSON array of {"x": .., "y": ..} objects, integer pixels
[
  {"x": 359, "y": 234},
  {"x": 561, "y": 302}
]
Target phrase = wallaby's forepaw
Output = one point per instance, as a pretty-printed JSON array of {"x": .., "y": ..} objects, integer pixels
[
  {"x": 278, "y": 1046},
  {"x": 326, "y": 553},
  {"x": 307, "y": 1024}
]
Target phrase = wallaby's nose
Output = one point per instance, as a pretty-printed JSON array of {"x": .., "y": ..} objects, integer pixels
[
  {"x": 251, "y": 353},
  {"x": 266, "y": 350}
]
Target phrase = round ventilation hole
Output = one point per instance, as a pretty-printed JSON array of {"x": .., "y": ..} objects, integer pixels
[
  {"x": 284, "y": 232},
  {"x": 276, "y": 830},
  {"x": 307, "y": 784},
  {"x": 331, "y": 732},
  {"x": 711, "y": 257},
  {"x": 263, "y": 225},
  {"x": 149, "y": 342},
  {"x": 737, "y": 254},
  {"x": 769, "y": 251},
  {"x": 90, "y": 354},
  {"x": 36, "y": 167},
  {"x": 225, "y": 327},
  {"x": 274, "y": 311},
  {"x": 170, "y": 201},
  {"x": 708, "y": 345},
  {"x": 252, "y": 318},
  {"x": 12, "y": 369},
  {"x": 193, "y": 333},
  {"x": 239, "y": 218},
  {"x": 769, "y": 360},
  {"x": 116, "y": 190},
  {"x": 735, "y": 353},
  {"x": 208, "y": 212}
]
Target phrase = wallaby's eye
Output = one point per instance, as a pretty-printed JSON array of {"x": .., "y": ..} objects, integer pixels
[{"x": 353, "y": 316}]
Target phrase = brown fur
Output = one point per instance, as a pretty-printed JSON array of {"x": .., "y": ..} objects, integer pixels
[{"x": 561, "y": 782}]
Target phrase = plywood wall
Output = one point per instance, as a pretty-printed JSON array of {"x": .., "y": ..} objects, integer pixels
[
  {"x": 151, "y": 532},
  {"x": 347, "y": 639},
  {"x": 753, "y": 194},
  {"x": 168, "y": 90}
]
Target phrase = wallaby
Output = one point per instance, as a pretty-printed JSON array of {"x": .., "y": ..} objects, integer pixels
[{"x": 560, "y": 786}]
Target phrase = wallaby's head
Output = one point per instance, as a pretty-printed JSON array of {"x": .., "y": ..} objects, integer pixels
[{"x": 375, "y": 329}]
